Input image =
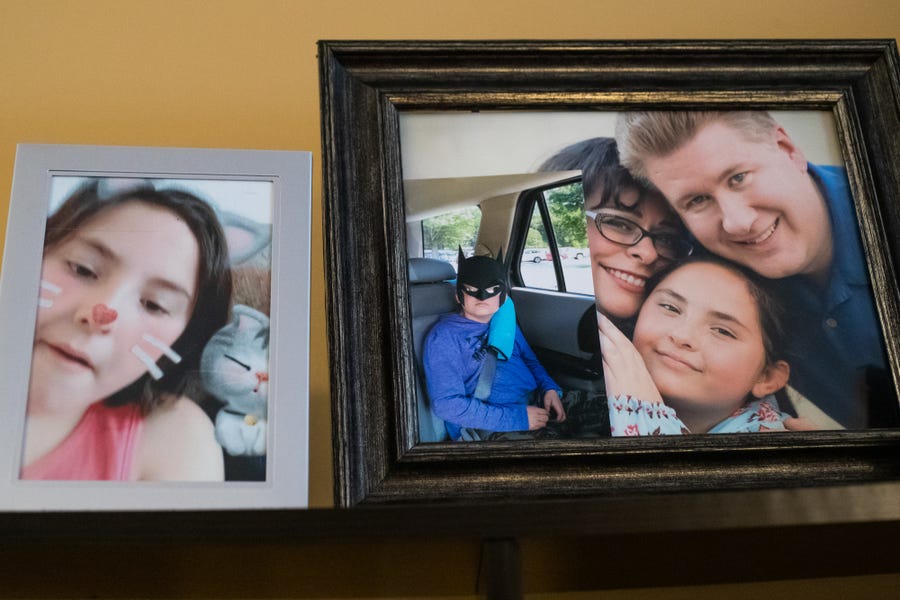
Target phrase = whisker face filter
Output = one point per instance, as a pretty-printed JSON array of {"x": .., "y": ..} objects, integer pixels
[
  {"x": 173, "y": 356},
  {"x": 48, "y": 287},
  {"x": 152, "y": 368}
]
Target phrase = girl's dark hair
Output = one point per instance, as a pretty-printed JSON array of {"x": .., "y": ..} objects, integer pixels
[
  {"x": 598, "y": 160},
  {"x": 213, "y": 277},
  {"x": 769, "y": 306}
]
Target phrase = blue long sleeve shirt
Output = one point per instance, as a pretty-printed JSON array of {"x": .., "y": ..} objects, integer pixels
[{"x": 454, "y": 355}]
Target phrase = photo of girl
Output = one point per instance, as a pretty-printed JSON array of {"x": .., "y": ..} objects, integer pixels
[
  {"x": 707, "y": 355},
  {"x": 134, "y": 282}
]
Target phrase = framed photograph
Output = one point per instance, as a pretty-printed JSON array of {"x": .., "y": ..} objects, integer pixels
[
  {"x": 164, "y": 296},
  {"x": 438, "y": 152}
]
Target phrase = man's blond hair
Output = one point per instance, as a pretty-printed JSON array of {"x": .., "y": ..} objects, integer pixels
[{"x": 643, "y": 135}]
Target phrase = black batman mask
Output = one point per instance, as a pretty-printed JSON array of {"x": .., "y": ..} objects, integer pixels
[{"x": 487, "y": 275}]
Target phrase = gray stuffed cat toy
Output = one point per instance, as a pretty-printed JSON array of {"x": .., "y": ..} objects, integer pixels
[{"x": 234, "y": 368}]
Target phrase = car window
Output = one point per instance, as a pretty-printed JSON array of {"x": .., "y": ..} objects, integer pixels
[
  {"x": 443, "y": 235},
  {"x": 554, "y": 249}
]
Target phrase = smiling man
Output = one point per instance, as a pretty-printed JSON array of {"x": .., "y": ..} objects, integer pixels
[{"x": 747, "y": 193}]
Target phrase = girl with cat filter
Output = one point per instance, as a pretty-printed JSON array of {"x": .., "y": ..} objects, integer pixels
[
  {"x": 706, "y": 355},
  {"x": 134, "y": 282}
]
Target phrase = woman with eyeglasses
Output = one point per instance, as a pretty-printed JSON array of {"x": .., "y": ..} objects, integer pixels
[{"x": 632, "y": 233}]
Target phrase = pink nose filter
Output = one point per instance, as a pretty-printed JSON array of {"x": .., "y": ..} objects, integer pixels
[{"x": 103, "y": 315}]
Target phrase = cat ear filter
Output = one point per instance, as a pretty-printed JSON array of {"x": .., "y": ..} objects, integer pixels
[{"x": 244, "y": 236}]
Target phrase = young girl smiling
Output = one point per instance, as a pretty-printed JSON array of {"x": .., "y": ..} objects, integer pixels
[{"x": 706, "y": 355}]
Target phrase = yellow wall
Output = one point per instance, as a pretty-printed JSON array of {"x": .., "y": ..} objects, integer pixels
[{"x": 243, "y": 74}]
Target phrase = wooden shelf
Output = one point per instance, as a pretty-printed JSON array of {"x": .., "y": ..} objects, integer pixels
[{"x": 639, "y": 514}]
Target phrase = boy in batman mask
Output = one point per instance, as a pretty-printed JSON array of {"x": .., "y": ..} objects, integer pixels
[{"x": 518, "y": 395}]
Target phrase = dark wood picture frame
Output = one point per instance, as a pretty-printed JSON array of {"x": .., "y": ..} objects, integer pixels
[{"x": 365, "y": 85}]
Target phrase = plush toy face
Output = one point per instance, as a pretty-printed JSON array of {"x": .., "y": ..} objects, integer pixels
[{"x": 234, "y": 366}]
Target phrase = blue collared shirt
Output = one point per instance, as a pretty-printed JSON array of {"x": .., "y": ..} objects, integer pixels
[{"x": 835, "y": 346}]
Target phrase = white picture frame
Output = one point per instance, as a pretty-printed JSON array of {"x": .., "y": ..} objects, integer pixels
[{"x": 41, "y": 171}]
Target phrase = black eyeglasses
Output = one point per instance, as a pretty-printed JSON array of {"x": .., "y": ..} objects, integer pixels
[{"x": 624, "y": 231}]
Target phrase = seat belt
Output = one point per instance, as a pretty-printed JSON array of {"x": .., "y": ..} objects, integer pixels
[{"x": 486, "y": 377}]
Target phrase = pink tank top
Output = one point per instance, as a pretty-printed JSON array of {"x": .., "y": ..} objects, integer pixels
[{"x": 101, "y": 447}]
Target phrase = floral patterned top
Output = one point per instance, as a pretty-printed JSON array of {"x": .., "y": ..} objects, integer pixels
[{"x": 632, "y": 416}]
